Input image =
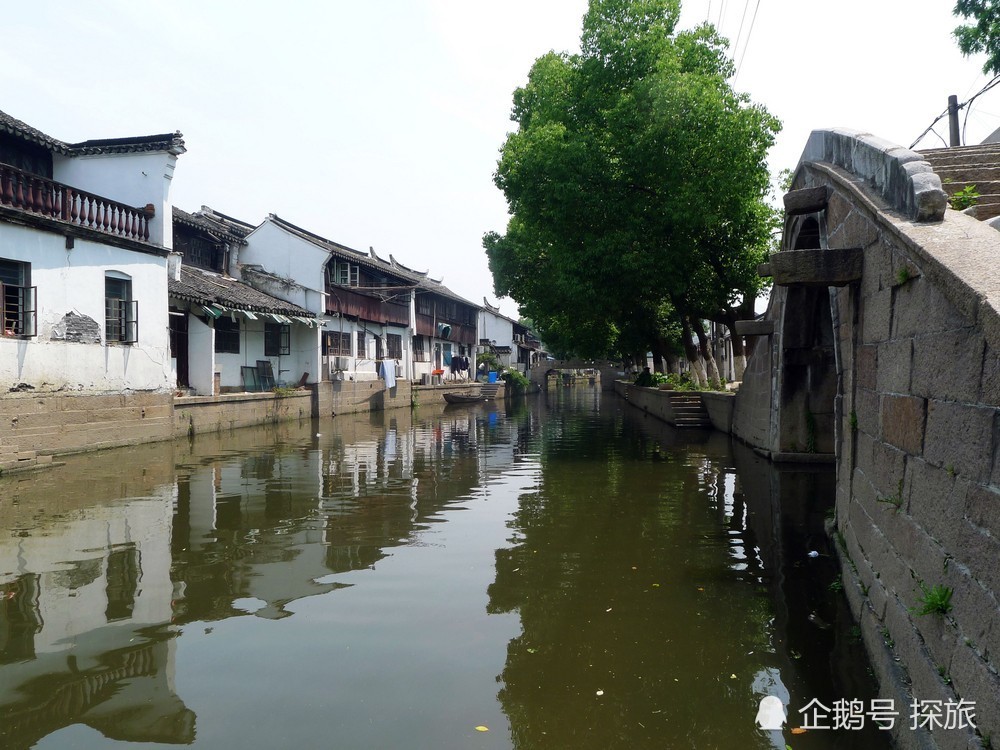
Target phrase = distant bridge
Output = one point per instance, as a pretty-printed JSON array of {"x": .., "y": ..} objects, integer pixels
[{"x": 609, "y": 371}]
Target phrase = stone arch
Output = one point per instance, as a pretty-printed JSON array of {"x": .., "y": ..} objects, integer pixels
[
  {"x": 805, "y": 232},
  {"x": 807, "y": 379}
]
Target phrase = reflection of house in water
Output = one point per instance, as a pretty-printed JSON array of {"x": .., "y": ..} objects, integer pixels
[
  {"x": 83, "y": 602},
  {"x": 273, "y": 525}
]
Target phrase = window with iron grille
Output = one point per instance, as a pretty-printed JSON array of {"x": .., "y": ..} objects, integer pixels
[
  {"x": 362, "y": 345},
  {"x": 379, "y": 348},
  {"x": 227, "y": 336},
  {"x": 394, "y": 345},
  {"x": 17, "y": 300},
  {"x": 277, "y": 339},
  {"x": 121, "y": 312},
  {"x": 338, "y": 343}
]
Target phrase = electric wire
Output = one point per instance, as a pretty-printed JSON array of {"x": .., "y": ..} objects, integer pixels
[
  {"x": 739, "y": 34},
  {"x": 964, "y": 105},
  {"x": 747, "y": 43}
]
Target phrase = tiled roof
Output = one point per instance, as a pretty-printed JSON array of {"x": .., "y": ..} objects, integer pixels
[
  {"x": 217, "y": 225},
  {"x": 206, "y": 288},
  {"x": 172, "y": 142},
  {"x": 390, "y": 267}
]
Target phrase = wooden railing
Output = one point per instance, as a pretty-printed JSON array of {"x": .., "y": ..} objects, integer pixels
[{"x": 38, "y": 195}]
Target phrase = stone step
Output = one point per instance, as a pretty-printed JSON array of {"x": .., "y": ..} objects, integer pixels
[
  {"x": 964, "y": 159},
  {"x": 971, "y": 175},
  {"x": 692, "y": 423}
]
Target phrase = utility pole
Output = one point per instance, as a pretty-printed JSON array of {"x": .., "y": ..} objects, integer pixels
[{"x": 956, "y": 139}]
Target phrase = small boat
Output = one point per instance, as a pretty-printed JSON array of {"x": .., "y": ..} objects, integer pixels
[{"x": 463, "y": 398}]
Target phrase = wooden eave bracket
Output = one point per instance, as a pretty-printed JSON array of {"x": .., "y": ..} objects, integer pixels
[
  {"x": 806, "y": 200},
  {"x": 828, "y": 267}
]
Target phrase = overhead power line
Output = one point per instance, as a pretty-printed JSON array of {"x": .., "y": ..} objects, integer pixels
[
  {"x": 747, "y": 43},
  {"x": 964, "y": 105}
]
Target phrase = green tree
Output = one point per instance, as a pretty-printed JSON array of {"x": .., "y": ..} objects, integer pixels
[
  {"x": 635, "y": 181},
  {"x": 984, "y": 34}
]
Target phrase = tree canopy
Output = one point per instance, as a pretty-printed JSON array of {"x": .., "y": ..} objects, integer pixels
[
  {"x": 636, "y": 182},
  {"x": 984, "y": 34}
]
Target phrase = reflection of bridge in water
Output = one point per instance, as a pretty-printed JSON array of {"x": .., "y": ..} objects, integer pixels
[{"x": 607, "y": 371}]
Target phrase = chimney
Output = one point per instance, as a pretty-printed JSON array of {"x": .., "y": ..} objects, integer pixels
[{"x": 174, "y": 266}]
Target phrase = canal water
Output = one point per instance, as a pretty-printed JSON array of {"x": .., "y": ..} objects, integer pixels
[{"x": 560, "y": 572}]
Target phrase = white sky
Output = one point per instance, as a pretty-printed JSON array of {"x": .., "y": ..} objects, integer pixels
[{"x": 379, "y": 123}]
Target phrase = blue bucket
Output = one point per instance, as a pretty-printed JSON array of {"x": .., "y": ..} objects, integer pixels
[{"x": 492, "y": 377}]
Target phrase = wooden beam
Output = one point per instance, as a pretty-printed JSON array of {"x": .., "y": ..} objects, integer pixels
[
  {"x": 806, "y": 200},
  {"x": 828, "y": 267},
  {"x": 754, "y": 327}
]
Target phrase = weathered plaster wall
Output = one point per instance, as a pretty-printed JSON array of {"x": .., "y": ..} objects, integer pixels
[
  {"x": 68, "y": 352},
  {"x": 916, "y": 427}
]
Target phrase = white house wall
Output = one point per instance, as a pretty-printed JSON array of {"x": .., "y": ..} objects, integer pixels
[
  {"x": 72, "y": 281},
  {"x": 201, "y": 353},
  {"x": 287, "y": 368},
  {"x": 134, "y": 179},
  {"x": 283, "y": 254},
  {"x": 497, "y": 329}
]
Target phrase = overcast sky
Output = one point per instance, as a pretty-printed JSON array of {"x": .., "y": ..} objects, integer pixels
[{"x": 379, "y": 123}]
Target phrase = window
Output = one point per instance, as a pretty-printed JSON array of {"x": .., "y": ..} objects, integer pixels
[
  {"x": 277, "y": 337},
  {"x": 338, "y": 343},
  {"x": 362, "y": 346},
  {"x": 121, "y": 312},
  {"x": 227, "y": 336},
  {"x": 419, "y": 353},
  {"x": 424, "y": 305},
  {"x": 394, "y": 345},
  {"x": 379, "y": 348},
  {"x": 345, "y": 274},
  {"x": 17, "y": 299}
]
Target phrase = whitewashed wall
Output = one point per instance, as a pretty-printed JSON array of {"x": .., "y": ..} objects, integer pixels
[
  {"x": 303, "y": 343},
  {"x": 283, "y": 254},
  {"x": 132, "y": 179},
  {"x": 496, "y": 328},
  {"x": 73, "y": 281},
  {"x": 201, "y": 356}
]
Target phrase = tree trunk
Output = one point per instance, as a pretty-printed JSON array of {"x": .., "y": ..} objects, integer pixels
[
  {"x": 658, "y": 350},
  {"x": 739, "y": 350},
  {"x": 693, "y": 356},
  {"x": 673, "y": 364},
  {"x": 712, "y": 368}
]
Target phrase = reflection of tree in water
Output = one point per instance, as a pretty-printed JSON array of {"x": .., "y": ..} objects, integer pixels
[{"x": 624, "y": 581}]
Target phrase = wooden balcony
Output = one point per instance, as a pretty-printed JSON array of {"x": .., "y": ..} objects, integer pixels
[{"x": 32, "y": 194}]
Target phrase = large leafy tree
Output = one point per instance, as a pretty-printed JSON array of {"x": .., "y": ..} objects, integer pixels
[
  {"x": 984, "y": 34},
  {"x": 635, "y": 180}
]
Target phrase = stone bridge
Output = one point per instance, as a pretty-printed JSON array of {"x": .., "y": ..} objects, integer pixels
[
  {"x": 879, "y": 349},
  {"x": 609, "y": 371}
]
